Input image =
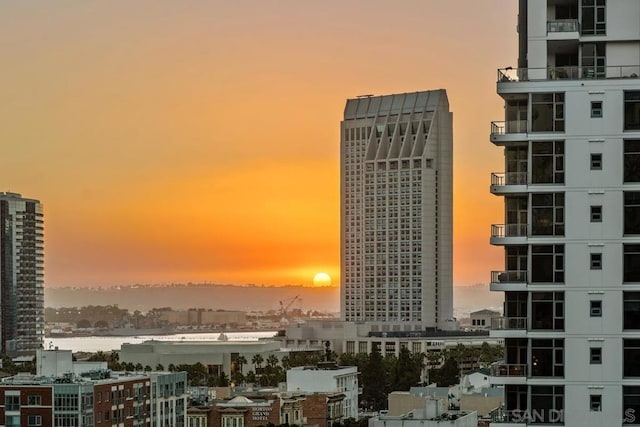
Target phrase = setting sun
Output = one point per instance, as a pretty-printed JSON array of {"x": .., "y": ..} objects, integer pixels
[{"x": 321, "y": 279}]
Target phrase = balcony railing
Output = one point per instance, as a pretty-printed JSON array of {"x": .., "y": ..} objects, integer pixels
[
  {"x": 510, "y": 74},
  {"x": 563, "y": 26},
  {"x": 509, "y": 276},
  {"x": 509, "y": 370},
  {"x": 508, "y": 178},
  {"x": 508, "y": 230},
  {"x": 509, "y": 323},
  {"x": 509, "y": 126}
]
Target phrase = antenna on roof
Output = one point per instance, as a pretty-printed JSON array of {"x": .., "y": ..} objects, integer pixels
[{"x": 364, "y": 96}]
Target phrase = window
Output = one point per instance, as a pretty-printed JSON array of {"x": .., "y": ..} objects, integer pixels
[
  {"x": 547, "y": 311},
  {"x": 547, "y": 212},
  {"x": 631, "y": 358},
  {"x": 34, "y": 420},
  {"x": 631, "y": 263},
  {"x": 596, "y": 261},
  {"x": 547, "y": 112},
  {"x": 596, "y": 161},
  {"x": 632, "y": 160},
  {"x": 631, "y": 310},
  {"x": 593, "y": 61},
  {"x": 596, "y": 109},
  {"x": 593, "y": 18},
  {"x": 548, "y": 402},
  {"x": 632, "y": 212},
  {"x": 595, "y": 309},
  {"x": 631, "y": 404},
  {"x": 517, "y": 159},
  {"x": 595, "y": 402},
  {"x": 12, "y": 402},
  {"x": 34, "y": 400},
  {"x": 547, "y": 162},
  {"x": 632, "y": 110},
  {"x": 596, "y": 213},
  {"x": 547, "y": 263},
  {"x": 547, "y": 358},
  {"x": 12, "y": 420},
  {"x": 595, "y": 355}
]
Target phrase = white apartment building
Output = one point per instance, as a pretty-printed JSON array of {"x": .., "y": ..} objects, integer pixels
[
  {"x": 396, "y": 211},
  {"x": 571, "y": 232},
  {"x": 327, "y": 379},
  {"x": 21, "y": 275}
]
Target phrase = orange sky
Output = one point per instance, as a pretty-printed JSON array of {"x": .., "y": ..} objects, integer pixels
[{"x": 177, "y": 141}]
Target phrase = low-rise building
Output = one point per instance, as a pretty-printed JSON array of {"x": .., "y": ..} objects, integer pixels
[
  {"x": 430, "y": 414},
  {"x": 327, "y": 378},
  {"x": 217, "y": 356},
  {"x": 57, "y": 396},
  {"x": 363, "y": 337},
  {"x": 255, "y": 409},
  {"x": 481, "y": 319}
]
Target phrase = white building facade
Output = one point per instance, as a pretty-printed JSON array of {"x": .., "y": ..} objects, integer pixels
[
  {"x": 571, "y": 232},
  {"x": 336, "y": 379},
  {"x": 396, "y": 211}
]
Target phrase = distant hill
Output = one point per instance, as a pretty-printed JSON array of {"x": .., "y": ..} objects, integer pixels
[
  {"x": 215, "y": 297},
  {"x": 245, "y": 298}
]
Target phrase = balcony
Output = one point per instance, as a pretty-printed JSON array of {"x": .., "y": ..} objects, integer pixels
[
  {"x": 509, "y": 182},
  {"x": 512, "y": 280},
  {"x": 563, "y": 29},
  {"x": 563, "y": 26},
  {"x": 505, "y": 373},
  {"x": 511, "y": 75},
  {"x": 508, "y": 131},
  {"x": 506, "y": 234},
  {"x": 509, "y": 323},
  {"x": 509, "y": 327}
]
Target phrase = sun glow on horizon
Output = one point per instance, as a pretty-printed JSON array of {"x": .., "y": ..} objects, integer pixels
[{"x": 321, "y": 279}]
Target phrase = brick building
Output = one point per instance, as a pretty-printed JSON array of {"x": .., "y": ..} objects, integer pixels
[{"x": 255, "y": 410}]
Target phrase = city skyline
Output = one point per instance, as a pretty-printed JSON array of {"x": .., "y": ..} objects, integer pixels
[{"x": 198, "y": 143}]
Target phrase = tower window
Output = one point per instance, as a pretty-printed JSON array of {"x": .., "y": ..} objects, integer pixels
[
  {"x": 595, "y": 309},
  {"x": 596, "y": 109},
  {"x": 595, "y": 402}
]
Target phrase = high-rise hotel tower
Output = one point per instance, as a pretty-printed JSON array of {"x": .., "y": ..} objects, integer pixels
[
  {"x": 396, "y": 211},
  {"x": 571, "y": 232},
  {"x": 21, "y": 275}
]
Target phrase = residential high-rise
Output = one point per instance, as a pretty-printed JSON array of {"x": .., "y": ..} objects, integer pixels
[
  {"x": 21, "y": 275},
  {"x": 396, "y": 211},
  {"x": 571, "y": 232}
]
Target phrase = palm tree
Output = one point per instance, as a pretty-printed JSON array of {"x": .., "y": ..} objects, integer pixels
[
  {"x": 272, "y": 360},
  {"x": 257, "y": 360}
]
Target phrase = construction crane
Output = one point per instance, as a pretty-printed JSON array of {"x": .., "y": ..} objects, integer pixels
[{"x": 286, "y": 304}]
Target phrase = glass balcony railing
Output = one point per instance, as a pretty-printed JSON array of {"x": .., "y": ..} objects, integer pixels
[
  {"x": 509, "y": 323},
  {"x": 508, "y": 178},
  {"x": 510, "y": 126},
  {"x": 563, "y": 26},
  {"x": 511, "y": 74},
  {"x": 509, "y": 370},
  {"x": 513, "y": 276},
  {"x": 508, "y": 230}
]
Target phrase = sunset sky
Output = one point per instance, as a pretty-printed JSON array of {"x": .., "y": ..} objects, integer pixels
[{"x": 193, "y": 141}]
